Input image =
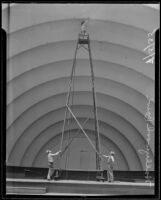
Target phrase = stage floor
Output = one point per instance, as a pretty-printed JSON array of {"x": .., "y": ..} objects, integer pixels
[
  {"x": 81, "y": 181},
  {"x": 75, "y": 187}
]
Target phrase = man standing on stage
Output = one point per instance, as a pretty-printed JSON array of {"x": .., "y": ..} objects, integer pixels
[
  {"x": 51, "y": 162},
  {"x": 110, "y": 165}
]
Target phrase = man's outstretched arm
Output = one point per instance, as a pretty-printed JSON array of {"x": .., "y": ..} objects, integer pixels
[
  {"x": 105, "y": 156},
  {"x": 54, "y": 154}
]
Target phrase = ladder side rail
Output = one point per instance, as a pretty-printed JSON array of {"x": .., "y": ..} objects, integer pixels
[
  {"x": 98, "y": 161},
  {"x": 68, "y": 95}
]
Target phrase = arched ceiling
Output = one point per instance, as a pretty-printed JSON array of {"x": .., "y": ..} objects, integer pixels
[{"x": 41, "y": 45}]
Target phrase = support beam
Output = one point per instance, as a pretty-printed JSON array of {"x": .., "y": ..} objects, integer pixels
[
  {"x": 71, "y": 140},
  {"x": 83, "y": 130}
]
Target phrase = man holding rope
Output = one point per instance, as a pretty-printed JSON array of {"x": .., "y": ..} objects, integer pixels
[
  {"x": 51, "y": 162},
  {"x": 110, "y": 164}
]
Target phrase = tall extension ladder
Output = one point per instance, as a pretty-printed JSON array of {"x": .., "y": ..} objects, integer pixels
[{"x": 84, "y": 42}]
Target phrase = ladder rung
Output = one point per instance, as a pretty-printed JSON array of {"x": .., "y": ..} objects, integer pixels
[{"x": 83, "y": 41}]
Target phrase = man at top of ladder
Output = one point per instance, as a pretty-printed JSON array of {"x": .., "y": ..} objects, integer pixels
[{"x": 83, "y": 26}]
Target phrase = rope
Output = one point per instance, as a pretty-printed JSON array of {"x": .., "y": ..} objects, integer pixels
[
  {"x": 68, "y": 97},
  {"x": 71, "y": 102},
  {"x": 83, "y": 131},
  {"x": 67, "y": 156},
  {"x": 66, "y": 160},
  {"x": 73, "y": 137},
  {"x": 94, "y": 93}
]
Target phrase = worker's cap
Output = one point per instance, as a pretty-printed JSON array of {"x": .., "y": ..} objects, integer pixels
[
  {"x": 48, "y": 151},
  {"x": 82, "y": 22}
]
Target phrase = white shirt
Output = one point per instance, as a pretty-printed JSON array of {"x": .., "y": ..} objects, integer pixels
[
  {"x": 51, "y": 156},
  {"x": 110, "y": 159}
]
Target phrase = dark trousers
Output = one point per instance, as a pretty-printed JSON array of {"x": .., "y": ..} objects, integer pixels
[
  {"x": 51, "y": 170},
  {"x": 110, "y": 176}
]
